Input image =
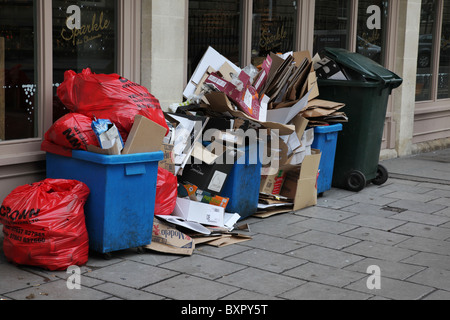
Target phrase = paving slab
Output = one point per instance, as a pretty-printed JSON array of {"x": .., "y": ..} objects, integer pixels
[
  {"x": 436, "y": 278},
  {"x": 186, "y": 287},
  {"x": 423, "y": 230},
  {"x": 317, "y": 291},
  {"x": 132, "y": 274},
  {"x": 57, "y": 290},
  {"x": 325, "y": 274},
  {"x": 375, "y": 235},
  {"x": 202, "y": 266},
  {"x": 262, "y": 282},
  {"x": 389, "y": 269},
  {"x": 379, "y": 251},
  {"x": 325, "y": 239},
  {"x": 267, "y": 260},
  {"x": 393, "y": 289},
  {"x": 326, "y": 256}
]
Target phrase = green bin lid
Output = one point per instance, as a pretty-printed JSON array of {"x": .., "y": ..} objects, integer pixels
[{"x": 368, "y": 68}]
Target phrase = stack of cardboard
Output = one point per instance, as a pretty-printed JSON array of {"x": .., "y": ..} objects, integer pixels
[{"x": 281, "y": 98}]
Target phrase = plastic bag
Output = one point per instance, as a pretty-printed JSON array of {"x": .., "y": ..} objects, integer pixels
[
  {"x": 166, "y": 193},
  {"x": 109, "y": 96},
  {"x": 44, "y": 224},
  {"x": 71, "y": 132}
]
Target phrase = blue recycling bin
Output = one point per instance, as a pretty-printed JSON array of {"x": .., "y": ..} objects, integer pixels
[
  {"x": 242, "y": 185},
  {"x": 120, "y": 208},
  {"x": 325, "y": 140}
]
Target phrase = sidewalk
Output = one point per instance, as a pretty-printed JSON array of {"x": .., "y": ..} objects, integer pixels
[{"x": 322, "y": 252}]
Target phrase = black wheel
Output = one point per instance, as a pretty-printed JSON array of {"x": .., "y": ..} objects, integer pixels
[
  {"x": 356, "y": 181},
  {"x": 107, "y": 256},
  {"x": 382, "y": 176},
  {"x": 140, "y": 250}
]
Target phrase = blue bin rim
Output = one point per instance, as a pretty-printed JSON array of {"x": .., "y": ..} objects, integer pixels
[
  {"x": 117, "y": 159},
  {"x": 328, "y": 129}
]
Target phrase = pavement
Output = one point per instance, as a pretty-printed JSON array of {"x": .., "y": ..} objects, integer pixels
[{"x": 384, "y": 243}]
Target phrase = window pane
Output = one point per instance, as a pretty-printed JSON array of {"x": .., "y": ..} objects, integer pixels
[
  {"x": 91, "y": 44},
  {"x": 426, "y": 54},
  {"x": 332, "y": 24},
  {"x": 371, "y": 41},
  {"x": 274, "y": 25},
  {"x": 216, "y": 24},
  {"x": 18, "y": 101},
  {"x": 444, "y": 62}
]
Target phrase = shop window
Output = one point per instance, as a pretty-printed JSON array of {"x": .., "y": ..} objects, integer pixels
[
  {"x": 84, "y": 36},
  {"x": 332, "y": 24},
  {"x": 274, "y": 28},
  {"x": 217, "y": 24},
  {"x": 372, "y": 29},
  {"x": 426, "y": 50},
  {"x": 18, "y": 102},
  {"x": 444, "y": 57}
]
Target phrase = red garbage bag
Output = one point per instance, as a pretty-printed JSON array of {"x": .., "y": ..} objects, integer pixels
[
  {"x": 109, "y": 96},
  {"x": 71, "y": 132},
  {"x": 166, "y": 193},
  {"x": 44, "y": 224}
]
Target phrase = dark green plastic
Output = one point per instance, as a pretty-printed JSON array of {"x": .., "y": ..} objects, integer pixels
[{"x": 359, "y": 143}]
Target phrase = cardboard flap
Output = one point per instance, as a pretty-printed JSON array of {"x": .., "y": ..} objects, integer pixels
[
  {"x": 219, "y": 102},
  {"x": 310, "y": 166},
  {"x": 145, "y": 136}
]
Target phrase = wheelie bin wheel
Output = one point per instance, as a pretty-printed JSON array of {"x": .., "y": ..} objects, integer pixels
[
  {"x": 382, "y": 176},
  {"x": 356, "y": 181}
]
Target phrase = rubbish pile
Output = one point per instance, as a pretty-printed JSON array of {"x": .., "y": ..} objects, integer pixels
[{"x": 239, "y": 146}]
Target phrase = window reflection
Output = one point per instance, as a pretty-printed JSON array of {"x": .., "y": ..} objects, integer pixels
[
  {"x": 274, "y": 25},
  {"x": 217, "y": 24},
  {"x": 332, "y": 24},
  {"x": 426, "y": 54},
  {"x": 371, "y": 42},
  {"x": 92, "y": 45},
  {"x": 444, "y": 59},
  {"x": 18, "y": 109}
]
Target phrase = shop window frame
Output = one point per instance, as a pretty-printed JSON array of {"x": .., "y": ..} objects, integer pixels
[{"x": 16, "y": 152}]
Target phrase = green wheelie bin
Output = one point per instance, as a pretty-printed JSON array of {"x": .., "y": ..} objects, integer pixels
[{"x": 365, "y": 94}]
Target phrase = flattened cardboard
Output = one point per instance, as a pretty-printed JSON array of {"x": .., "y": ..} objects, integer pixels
[
  {"x": 167, "y": 239},
  {"x": 219, "y": 102},
  {"x": 301, "y": 182},
  {"x": 145, "y": 136},
  {"x": 168, "y": 162}
]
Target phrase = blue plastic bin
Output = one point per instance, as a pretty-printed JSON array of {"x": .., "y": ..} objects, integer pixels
[
  {"x": 325, "y": 140},
  {"x": 242, "y": 185},
  {"x": 120, "y": 209}
]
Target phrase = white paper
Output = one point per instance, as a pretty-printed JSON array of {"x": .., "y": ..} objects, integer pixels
[
  {"x": 285, "y": 115},
  {"x": 230, "y": 219}
]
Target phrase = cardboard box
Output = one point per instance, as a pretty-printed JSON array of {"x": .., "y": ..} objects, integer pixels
[
  {"x": 203, "y": 213},
  {"x": 169, "y": 159},
  {"x": 145, "y": 136},
  {"x": 210, "y": 170},
  {"x": 301, "y": 182},
  {"x": 168, "y": 239},
  {"x": 245, "y": 98},
  {"x": 272, "y": 184}
]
